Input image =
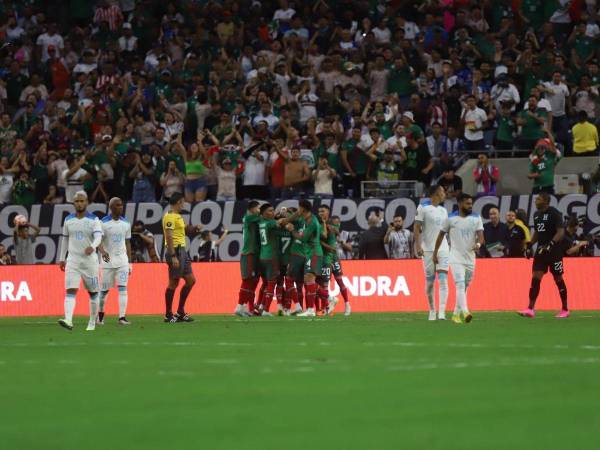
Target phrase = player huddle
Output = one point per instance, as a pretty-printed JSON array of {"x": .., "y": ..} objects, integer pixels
[{"x": 294, "y": 252}]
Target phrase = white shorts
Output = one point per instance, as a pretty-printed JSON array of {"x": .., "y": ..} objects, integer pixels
[
  {"x": 114, "y": 275},
  {"x": 89, "y": 274},
  {"x": 431, "y": 268},
  {"x": 462, "y": 273}
]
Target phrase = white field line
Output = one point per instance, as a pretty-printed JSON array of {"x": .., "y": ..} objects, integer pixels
[{"x": 391, "y": 344}]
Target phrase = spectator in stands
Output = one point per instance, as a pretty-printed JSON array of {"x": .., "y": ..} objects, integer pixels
[
  {"x": 558, "y": 94},
  {"x": 371, "y": 245},
  {"x": 419, "y": 164},
  {"x": 516, "y": 241},
  {"x": 144, "y": 184},
  {"x": 172, "y": 180},
  {"x": 24, "y": 237},
  {"x": 344, "y": 248},
  {"x": 354, "y": 161},
  {"x": 207, "y": 249},
  {"x": 7, "y": 175},
  {"x": 507, "y": 127},
  {"x": 399, "y": 241},
  {"x": 225, "y": 179},
  {"x": 23, "y": 190},
  {"x": 5, "y": 259},
  {"x": 451, "y": 182},
  {"x": 297, "y": 173},
  {"x": 542, "y": 165},
  {"x": 486, "y": 176},
  {"x": 323, "y": 177},
  {"x": 143, "y": 247},
  {"x": 496, "y": 236},
  {"x": 585, "y": 136},
  {"x": 254, "y": 177},
  {"x": 75, "y": 176},
  {"x": 473, "y": 119},
  {"x": 531, "y": 121}
]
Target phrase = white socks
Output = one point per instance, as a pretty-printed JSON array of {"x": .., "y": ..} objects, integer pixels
[
  {"x": 461, "y": 299},
  {"x": 69, "y": 307},
  {"x": 430, "y": 294},
  {"x": 443, "y": 290},
  {"x": 122, "y": 300},
  {"x": 94, "y": 303}
]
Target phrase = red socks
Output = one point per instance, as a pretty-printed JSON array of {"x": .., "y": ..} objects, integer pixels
[
  {"x": 343, "y": 289},
  {"x": 291, "y": 294},
  {"x": 268, "y": 293},
  {"x": 311, "y": 293}
]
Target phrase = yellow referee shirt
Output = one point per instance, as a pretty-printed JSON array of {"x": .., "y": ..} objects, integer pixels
[{"x": 174, "y": 221}]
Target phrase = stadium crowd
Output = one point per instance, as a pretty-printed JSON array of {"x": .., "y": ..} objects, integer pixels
[{"x": 280, "y": 99}]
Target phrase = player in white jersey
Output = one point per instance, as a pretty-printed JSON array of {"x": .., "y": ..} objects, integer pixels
[
  {"x": 116, "y": 255},
  {"x": 431, "y": 215},
  {"x": 465, "y": 231},
  {"x": 82, "y": 234}
]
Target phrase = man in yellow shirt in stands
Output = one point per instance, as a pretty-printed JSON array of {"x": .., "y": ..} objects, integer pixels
[
  {"x": 178, "y": 259},
  {"x": 585, "y": 136}
]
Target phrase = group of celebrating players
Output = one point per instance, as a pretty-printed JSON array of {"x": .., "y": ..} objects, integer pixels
[{"x": 294, "y": 253}]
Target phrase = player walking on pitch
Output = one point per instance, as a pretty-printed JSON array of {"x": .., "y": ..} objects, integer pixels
[
  {"x": 549, "y": 232},
  {"x": 178, "y": 259},
  {"x": 431, "y": 215},
  {"x": 465, "y": 230},
  {"x": 82, "y": 234},
  {"x": 116, "y": 256}
]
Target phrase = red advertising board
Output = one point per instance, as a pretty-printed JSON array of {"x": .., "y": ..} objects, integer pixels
[{"x": 374, "y": 286}]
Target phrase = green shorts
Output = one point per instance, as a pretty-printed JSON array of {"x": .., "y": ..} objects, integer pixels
[
  {"x": 269, "y": 269},
  {"x": 331, "y": 266},
  {"x": 248, "y": 267},
  {"x": 296, "y": 267},
  {"x": 314, "y": 264},
  {"x": 336, "y": 268}
]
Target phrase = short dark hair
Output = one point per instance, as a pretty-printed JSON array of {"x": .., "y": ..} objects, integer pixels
[
  {"x": 544, "y": 195},
  {"x": 433, "y": 189},
  {"x": 305, "y": 204},
  {"x": 264, "y": 207},
  {"x": 139, "y": 223},
  {"x": 462, "y": 197},
  {"x": 252, "y": 204},
  {"x": 325, "y": 207},
  {"x": 175, "y": 198}
]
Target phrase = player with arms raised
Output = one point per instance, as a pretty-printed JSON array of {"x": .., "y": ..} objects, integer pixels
[
  {"x": 249, "y": 260},
  {"x": 116, "y": 256},
  {"x": 465, "y": 230},
  {"x": 431, "y": 215},
  {"x": 549, "y": 232},
  {"x": 81, "y": 236}
]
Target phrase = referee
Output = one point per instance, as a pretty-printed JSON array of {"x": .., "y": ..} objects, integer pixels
[{"x": 178, "y": 260}]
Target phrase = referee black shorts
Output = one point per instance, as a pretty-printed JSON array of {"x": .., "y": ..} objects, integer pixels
[
  {"x": 185, "y": 263},
  {"x": 552, "y": 261}
]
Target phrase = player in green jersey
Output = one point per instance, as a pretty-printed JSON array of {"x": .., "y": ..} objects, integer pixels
[
  {"x": 332, "y": 262},
  {"x": 283, "y": 292},
  {"x": 248, "y": 260},
  {"x": 294, "y": 278},
  {"x": 313, "y": 252},
  {"x": 268, "y": 231}
]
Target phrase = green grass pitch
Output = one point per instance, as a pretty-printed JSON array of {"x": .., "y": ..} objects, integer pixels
[{"x": 378, "y": 381}]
